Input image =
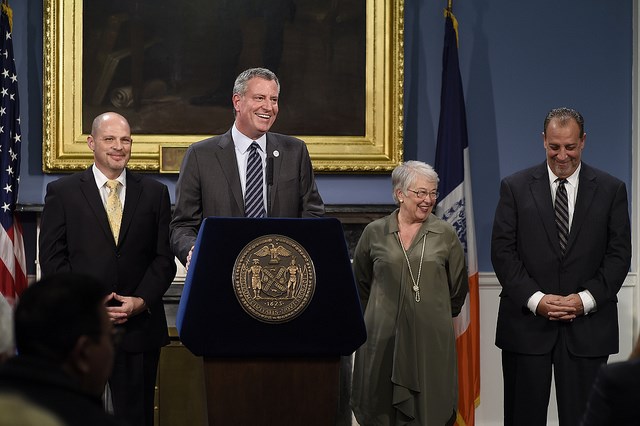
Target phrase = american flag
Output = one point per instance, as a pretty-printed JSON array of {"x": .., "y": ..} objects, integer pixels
[{"x": 13, "y": 272}]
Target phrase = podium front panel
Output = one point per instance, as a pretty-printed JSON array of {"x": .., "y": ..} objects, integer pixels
[{"x": 212, "y": 322}]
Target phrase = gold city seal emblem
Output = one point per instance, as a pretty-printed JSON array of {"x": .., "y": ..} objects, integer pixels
[{"x": 274, "y": 278}]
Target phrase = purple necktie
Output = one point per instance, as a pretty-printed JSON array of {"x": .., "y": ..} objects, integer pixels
[
  {"x": 562, "y": 214},
  {"x": 253, "y": 201}
]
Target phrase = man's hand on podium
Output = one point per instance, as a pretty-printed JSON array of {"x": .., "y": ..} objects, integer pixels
[{"x": 189, "y": 259}]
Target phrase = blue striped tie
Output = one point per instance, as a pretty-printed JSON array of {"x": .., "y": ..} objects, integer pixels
[
  {"x": 562, "y": 214},
  {"x": 253, "y": 202}
]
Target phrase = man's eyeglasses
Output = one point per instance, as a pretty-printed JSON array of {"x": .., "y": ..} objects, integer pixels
[{"x": 422, "y": 194}]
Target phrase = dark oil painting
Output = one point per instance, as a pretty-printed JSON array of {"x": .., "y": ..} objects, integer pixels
[{"x": 169, "y": 66}]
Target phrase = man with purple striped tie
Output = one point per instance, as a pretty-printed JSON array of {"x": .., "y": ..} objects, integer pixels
[{"x": 248, "y": 171}]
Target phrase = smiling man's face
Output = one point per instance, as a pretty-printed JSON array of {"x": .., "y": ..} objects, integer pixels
[
  {"x": 257, "y": 109},
  {"x": 110, "y": 142},
  {"x": 563, "y": 144}
]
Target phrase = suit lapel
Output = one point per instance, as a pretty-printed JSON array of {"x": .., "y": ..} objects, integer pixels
[
  {"x": 586, "y": 193},
  {"x": 229, "y": 165},
  {"x": 541, "y": 193},
  {"x": 90, "y": 192},
  {"x": 134, "y": 189}
]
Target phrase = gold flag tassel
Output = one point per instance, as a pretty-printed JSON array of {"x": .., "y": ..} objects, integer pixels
[
  {"x": 7, "y": 11},
  {"x": 448, "y": 12}
]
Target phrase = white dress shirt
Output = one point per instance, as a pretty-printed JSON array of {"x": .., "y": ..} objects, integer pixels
[
  {"x": 101, "y": 181},
  {"x": 588, "y": 302},
  {"x": 242, "y": 144}
]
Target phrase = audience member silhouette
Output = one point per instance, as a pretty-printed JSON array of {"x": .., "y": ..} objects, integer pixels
[
  {"x": 615, "y": 394},
  {"x": 65, "y": 343}
]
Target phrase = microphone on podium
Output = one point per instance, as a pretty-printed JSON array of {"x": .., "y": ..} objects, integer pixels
[{"x": 269, "y": 172}]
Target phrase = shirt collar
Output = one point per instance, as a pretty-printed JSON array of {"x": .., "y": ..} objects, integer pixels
[
  {"x": 573, "y": 179},
  {"x": 101, "y": 179},
  {"x": 243, "y": 142}
]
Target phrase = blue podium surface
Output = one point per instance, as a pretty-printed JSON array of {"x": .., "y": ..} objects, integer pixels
[{"x": 212, "y": 322}]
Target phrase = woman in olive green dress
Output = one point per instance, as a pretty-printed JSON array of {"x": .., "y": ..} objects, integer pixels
[{"x": 411, "y": 273}]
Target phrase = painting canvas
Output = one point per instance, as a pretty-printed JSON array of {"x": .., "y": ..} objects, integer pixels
[{"x": 169, "y": 67}]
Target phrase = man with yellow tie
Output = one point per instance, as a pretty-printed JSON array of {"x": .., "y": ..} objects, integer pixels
[{"x": 114, "y": 225}]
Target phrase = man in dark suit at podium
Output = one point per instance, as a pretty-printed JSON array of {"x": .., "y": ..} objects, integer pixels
[
  {"x": 215, "y": 173},
  {"x": 112, "y": 224}
]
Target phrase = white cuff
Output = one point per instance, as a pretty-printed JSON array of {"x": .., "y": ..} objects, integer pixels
[{"x": 533, "y": 301}]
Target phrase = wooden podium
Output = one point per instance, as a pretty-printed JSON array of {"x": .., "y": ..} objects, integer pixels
[{"x": 259, "y": 372}]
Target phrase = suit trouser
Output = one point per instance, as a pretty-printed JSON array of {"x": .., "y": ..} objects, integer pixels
[
  {"x": 132, "y": 386},
  {"x": 527, "y": 385}
]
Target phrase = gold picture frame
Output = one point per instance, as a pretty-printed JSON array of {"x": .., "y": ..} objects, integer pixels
[{"x": 377, "y": 148}]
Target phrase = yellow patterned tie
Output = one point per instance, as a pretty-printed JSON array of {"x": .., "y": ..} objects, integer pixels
[{"x": 114, "y": 208}]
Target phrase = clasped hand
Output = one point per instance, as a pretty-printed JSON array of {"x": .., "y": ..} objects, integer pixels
[
  {"x": 560, "y": 308},
  {"x": 129, "y": 306}
]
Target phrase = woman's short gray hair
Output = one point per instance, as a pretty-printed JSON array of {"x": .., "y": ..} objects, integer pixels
[{"x": 407, "y": 173}]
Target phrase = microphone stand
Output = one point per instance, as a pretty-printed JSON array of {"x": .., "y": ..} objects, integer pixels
[{"x": 269, "y": 183}]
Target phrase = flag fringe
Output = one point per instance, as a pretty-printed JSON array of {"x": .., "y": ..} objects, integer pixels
[
  {"x": 448, "y": 13},
  {"x": 7, "y": 11}
]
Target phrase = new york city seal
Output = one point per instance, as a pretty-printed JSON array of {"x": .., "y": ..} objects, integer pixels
[{"x": 274, "y": 278}]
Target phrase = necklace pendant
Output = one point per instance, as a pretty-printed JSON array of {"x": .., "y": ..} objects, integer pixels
[{"x": 416, "y": 283}]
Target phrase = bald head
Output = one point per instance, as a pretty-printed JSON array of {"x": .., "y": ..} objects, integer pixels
[
  {"x": 110, "y": 141},
  {"x": 107, "y": 117}
]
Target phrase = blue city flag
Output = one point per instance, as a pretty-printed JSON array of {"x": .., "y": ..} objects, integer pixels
[
  {"x": 456, "y": 207},
  {"x": 452, "y": 127}
]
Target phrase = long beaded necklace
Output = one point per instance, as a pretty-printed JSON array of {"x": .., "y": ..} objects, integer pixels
[{"x": 416, "y": 283}]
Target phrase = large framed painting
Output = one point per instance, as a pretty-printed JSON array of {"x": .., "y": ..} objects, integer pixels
[{"x": 169, "y": 67}]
